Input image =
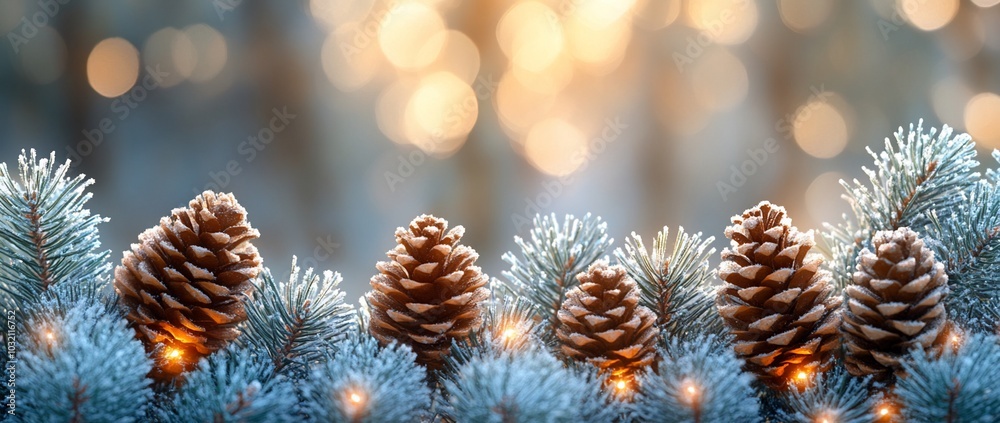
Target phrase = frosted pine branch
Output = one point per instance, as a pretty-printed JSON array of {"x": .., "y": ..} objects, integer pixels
[
  {"x": 549, "y": 262},
  {"x": 297, "y": 321},
  {"x": 835, "y": 396},
  {"x": 956, "y": 387},
  {"x": 47, "y": 236}
]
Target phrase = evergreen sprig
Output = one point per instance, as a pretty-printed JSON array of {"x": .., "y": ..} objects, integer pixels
[
  {"x": 79, "y": 364},
  {"x": 919, "y": 174},
  {"x": 836, "y": 396},
  {"x": 675, "y": 282},
  {"x": 47, "y": 236},
  {"x": 297, "y": 321},
  {"x": 365, "y": 383},
  {"x": 528, "y": 387},
  {"x": 549, "y": 262},
  {"x": 232, "y": 385},
  {"x": 697, "y": 381},
  {"x": 968, "y": 242},
  {"x": 957, "y": 387},
  {"x": 508, "y": 327}
]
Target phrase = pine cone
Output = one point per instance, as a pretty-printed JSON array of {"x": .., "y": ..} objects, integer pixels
[
  {"x": 182, "y": 286},
  {"x": 602, "y": 322},
  {"x": 777, "y": 301},
  {"x": 895, "y": 304},
  {"x": 430, "y": 291}
]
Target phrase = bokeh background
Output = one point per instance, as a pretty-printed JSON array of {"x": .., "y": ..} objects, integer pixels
[{"x": 335, "y": 121}]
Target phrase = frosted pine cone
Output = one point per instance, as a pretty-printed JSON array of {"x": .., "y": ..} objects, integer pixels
[
  {"x": 601, "y": 322},
  {"x": 429, "y": 292},
  {"x": 895, "y": 304},
  {"x": 776, "y": 300},
  {"x": 182, "y": 286}
]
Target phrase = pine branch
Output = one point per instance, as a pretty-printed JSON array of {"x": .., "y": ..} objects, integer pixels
[
  {"x": 549, "y": 263},
  {"x": 47, "y": 235},
  {"x": 675, "y": 284},
  {"x": 296, "y": 322},
  {"x": 527, "y": 387},
  {"x": 916, "y": 175},
  {"x": 968, "y": 242},
  {"x": 697, "y": 381},
  {"x": 80, "y": 363},
  {"x": 233, "y": 385},
  {"x": 836, "y": 396},
  {"x": 508, "y": 327},
  {"x": 958, "y": 386},
  {"x": 365, "y": 383}
]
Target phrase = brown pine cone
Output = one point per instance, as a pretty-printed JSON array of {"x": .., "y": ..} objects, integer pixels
[
  {"x": 895, "y": 304},
  {"x": 429, "y": 292},
  {"x": 776, "y": 300},
  {"x": 602, "y": 322},
  {"x": 182, "y": 286}
]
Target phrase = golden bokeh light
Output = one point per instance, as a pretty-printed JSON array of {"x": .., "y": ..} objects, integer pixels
[
  {"x": 822, "y": 206},
  {"x": 724, "y": 21},
  {"x": 45, "y": 61},
  {"x": 518, "y": 106},
  {"x": 597, "y": 14},
  {"x": 555, "y": 147},
  {"x": 531, "y": 35},
  {"x": 820, "y": 129},
  {"x": 348, "y": 65},
  {"x": 408, "y": 38},
  {"x": 982, "y": 119},
  {"x": 113, "y": 67},
  {"x": 601, "y": 48},
  {"x": 985, "y": 3},
  {"x": 441, "y": 113},
  {"x": 719, "y": 80},
  {"x": 390, "y": 111},
  {"x": 459, "y": 56},
  {"x": 927, "y": 15},
  {"x": 171, "y": 51},
  {"x": 656, "y": 14},
  {"x": 211, "y": 52},
  {"x": 949, "y": 97},
  {"x": 802, "y": 16}
]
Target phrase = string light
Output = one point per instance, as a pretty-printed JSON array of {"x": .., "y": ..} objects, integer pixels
[
  {"x": 356, "y": 402},
  {"x": 826, "y": 417},
  {"x": 884, "y": 411},
  {"x": 355, "y": 398},
  {"x": 173, "y": 354},
  {"x": 801, "y": 378},
  {"x": 51, "y": 336},
  {"x": 691, "y": 392},
  {"x": 509, "y": 333}
]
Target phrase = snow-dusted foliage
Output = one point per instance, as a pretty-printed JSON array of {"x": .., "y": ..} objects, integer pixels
[
  {"x": 298, "y": 321},
  {"x": 81, "y": 364},
  {"x": 365, "y": 383},
  {"x": 918, "y": 174},
  {"x": 528, "y": 387},
  {"x": 675, "y": 282},
  {"x": 957, "y": 387},
  {"x": 232, "y": 385},
  {"x": 548, "y": 263},
  {"x": 47, "y": 236},
  {"x": 697, "y": 381},
  {"x": 835, "y": 396}
]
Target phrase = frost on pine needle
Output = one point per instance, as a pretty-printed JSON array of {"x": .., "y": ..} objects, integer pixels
[
  {"x": 508, "y": 327},
  {"x": 297, "y": 321},
  {"x": 549, "y": 262},
  {"x": 835, "y": 396},
  {"x": 80, "y": 364},
  {"x": 47, "y": 236},
  {"x": 232, "y": 385},
  {"x": 675, "y": 282},
  {"x": 529, "y": 387},
  {"x": 697, "y": 381},
  {"x": 365, "y": 383},
  {"x": 917, "y": 174},
  {"x": 968, "y": 241},
  {"x": 959, "y": 386}
]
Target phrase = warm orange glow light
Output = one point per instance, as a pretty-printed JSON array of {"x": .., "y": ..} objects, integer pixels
[
  {"x": 802, "y": 376},
  {"x": 621, "y": 385},
  {"x": 884, "y": 411},
  {"x": 508, "y": 333},
  {"x": 355, "y": 398},
  {"x": 173, "y": 354},
  {"x": 50, "y": 335},
  {"x": 691, "y": 392}
]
